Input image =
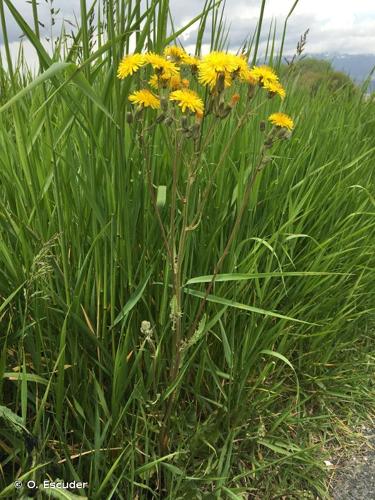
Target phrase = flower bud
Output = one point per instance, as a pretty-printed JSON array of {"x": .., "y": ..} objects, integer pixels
[
  {"x": 262, "y": 126},
  {"x": 129, "y": 117},
  {"x": 234, "y": 100}
]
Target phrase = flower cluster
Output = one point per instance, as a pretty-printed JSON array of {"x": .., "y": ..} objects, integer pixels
[{"x": 175, "y": 73}]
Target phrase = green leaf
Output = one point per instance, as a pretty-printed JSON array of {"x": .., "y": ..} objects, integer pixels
[
  {"x": 13, "y": 420},
  {"x": 133, "y": 300},
  {"x": 60, "y": 493},
  {"x": 245, "y": 307},
  {"x": 161, "y": 196},
  {"x": 249, "y": 276},
  {"x": 30, "y": 377},
  {"x": 52, "y": 71}
]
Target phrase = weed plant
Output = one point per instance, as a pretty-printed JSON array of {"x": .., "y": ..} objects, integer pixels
[{"x": 187, "y": 299}]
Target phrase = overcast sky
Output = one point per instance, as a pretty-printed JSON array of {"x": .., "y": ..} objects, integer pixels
[{"x": 336, "y": 26}]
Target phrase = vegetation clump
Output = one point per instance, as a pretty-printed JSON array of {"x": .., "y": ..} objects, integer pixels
[{"x": 186, "y": 263}]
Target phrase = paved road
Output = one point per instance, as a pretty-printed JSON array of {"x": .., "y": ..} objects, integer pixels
[{"x": 355, "y": 479}]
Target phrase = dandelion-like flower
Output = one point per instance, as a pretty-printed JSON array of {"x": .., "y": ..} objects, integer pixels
[
  {"x": 213, "y": 66},
  {"x": 174, "y": 82},
  {"x": 261, "y": 74},
  {"x": 162, "y": 66},
  {"x": 130, "y": 64},
  {"x": 145, "y": 98},
  {"x": 187, "y": 100},
  {"x": 282, "y": 120},
  {"x": 175, "y": 53},
  {"x": 190, "y": 60},
  {"x": 242, "y": 70},
  {"x": 274, "y": 88}
]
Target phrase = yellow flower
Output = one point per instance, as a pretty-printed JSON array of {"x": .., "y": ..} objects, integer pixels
[
  {"x": 262, "y": 74},
  {"x": 281, "y": 120},
  {"x": 162, "y": 66},
  {"x": 174, "y": 82},
  {"x": 274, "y": 88},
  {"x": 145, "y": 98},
  {"x": 129, "y": 65},
  {"x": 187, "y": 99},
  {"x": 175, "y": 53},
  {"x": 154, "y": 82},
  {"x": 190, "y": 60},
  {"x": 242, "y": 70},
  {"x": 214, "y": 65}
]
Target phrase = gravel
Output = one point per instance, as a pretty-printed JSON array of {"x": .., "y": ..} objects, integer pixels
[{"x": 355, "y": 478}]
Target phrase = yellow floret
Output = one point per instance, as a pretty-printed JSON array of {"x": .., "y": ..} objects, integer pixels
[
  {"x": 145, "y": 98},
  {"x": 187, "y": 100},
  {"x": 282, "y": 120},
  {"x": 129, "y": 65}
]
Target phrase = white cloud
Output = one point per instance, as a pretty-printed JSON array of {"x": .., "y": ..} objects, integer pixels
[{"x": 346, "y": 26}]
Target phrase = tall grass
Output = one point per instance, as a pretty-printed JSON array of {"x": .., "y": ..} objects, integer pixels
[{"x": 282, "y": 350}]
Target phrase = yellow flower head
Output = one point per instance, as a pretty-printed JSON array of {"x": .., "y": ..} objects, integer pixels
[
  {"x": 262, "y": 74},
  {"x": 174, "y": 82},
  {"x": 145, "y": 98},
  {"x": 154, "y": 82},
  {"x": 281, "y": 120},
  {"x": 175, "y": 53},
  {"x": 274, "y": 88},
  {"x": 242, "y": 70},
  {"x": 216, "y": 64},
  {"x": 190, "y": 60},
  {"x": 187, "y": 99},
  {"x": 129, "y": 65},
  {"x": 162, "y": 66}
]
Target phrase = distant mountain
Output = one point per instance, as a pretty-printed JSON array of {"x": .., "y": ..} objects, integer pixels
[{"x": 357, "y": 66}]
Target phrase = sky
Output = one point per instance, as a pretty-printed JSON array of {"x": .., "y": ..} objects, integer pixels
[{"x": 336, "y": 26}]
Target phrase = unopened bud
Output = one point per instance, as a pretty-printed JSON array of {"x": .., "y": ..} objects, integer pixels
[
  {"x": 129, "y": 117},
  {"x": 199, "y": 116},
  {"x": 262, "y": 126},
  {"x": 234, "y": 100}
]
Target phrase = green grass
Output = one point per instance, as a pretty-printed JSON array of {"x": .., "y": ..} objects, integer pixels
[{"x": 282, "y": 351}]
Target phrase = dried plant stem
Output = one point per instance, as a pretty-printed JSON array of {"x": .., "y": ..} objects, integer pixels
[{"x": 177, "y": 269}]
